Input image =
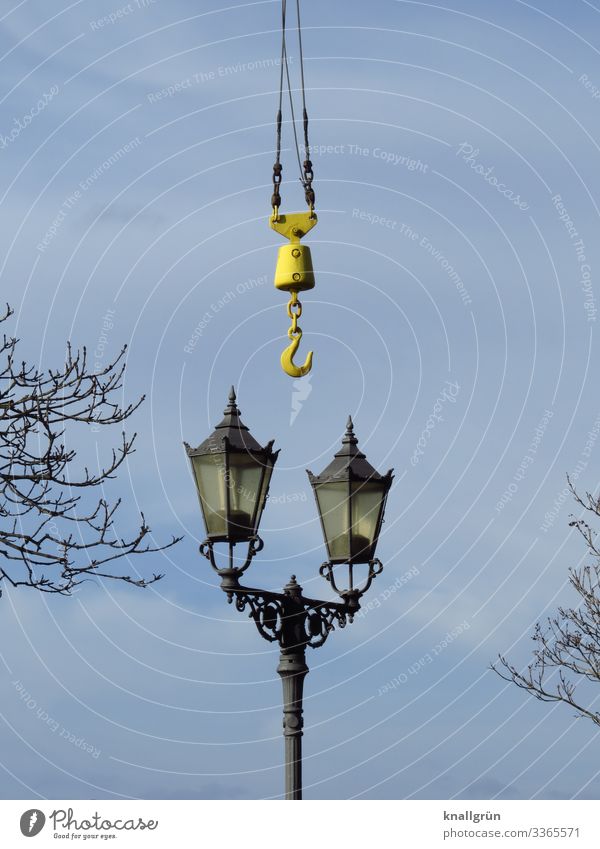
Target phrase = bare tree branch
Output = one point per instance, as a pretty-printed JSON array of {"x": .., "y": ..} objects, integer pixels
[
  {"x": 51, "y": 539},
  {"x": 567, "y": 648}
]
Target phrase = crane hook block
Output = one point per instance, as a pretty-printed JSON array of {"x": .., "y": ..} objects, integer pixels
[{"x": 294, "y": 271}]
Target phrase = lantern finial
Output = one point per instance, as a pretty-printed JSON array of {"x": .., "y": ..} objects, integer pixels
[
  {"x": 232, "y": 406},
  {"x": 349, "y": 435}
]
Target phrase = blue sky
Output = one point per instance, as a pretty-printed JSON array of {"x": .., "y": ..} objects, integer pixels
[{"x": 428, "y": 275}]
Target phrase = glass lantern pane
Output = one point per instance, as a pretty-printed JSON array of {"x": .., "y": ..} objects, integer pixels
[
  {"x": 366, "y": 506},
  {"x": 333, "y": 507},
  {"x": 209, "y": 472},
  {"x": 245, "y": 472},
  {"x": 268, "y": 466}
]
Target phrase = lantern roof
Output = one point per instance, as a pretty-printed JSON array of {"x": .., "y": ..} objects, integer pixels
[
  {"x": 230, "y": 432},
  {"x": 350, "y": 463}
]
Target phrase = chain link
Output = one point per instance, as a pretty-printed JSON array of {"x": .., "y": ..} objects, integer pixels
[{"x": 294, "y": 311}]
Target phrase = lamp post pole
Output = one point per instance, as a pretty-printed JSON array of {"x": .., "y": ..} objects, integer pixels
[
  {"x": 232, "y": 473},
  {"x": 293, "y": 670}
]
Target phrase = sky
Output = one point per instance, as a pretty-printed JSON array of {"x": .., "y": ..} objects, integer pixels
[{"x": 455, "y": 154}]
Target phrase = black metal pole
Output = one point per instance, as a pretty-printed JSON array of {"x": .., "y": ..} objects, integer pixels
[
  {"x": 293, "y": 669},
  {"x": 294, "y": 622}
]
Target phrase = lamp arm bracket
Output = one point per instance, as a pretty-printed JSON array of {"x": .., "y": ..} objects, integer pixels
[
  {"x": 290, "y": 621},
  {"x": 351, "y": 596},
  {"x": 255, "y": 544},
  {"x": 375, "y": 568}
]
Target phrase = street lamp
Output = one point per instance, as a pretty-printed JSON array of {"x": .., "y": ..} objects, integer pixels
[
  {"x": 232, "y": 473},
  {"x": 351, "y": 498}
]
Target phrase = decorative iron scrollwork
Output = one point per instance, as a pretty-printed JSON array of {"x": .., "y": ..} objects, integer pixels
[
  {"x": 289, "y": 618},
  {"x": 292, "y": 623},
  {"x": 265, "y": 609},
  {"x": 322, "y": 620}
]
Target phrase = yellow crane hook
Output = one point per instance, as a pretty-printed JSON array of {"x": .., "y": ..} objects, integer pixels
[
  {"x": 294, "y": 273},
  {"x": 288, "y": 355},
  {"x": 294, "y": 311}
]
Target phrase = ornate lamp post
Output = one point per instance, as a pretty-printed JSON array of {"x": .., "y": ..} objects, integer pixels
[{"x": 232, "y": 473}]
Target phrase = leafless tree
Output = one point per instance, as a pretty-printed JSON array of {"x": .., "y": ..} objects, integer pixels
[
  {"x": 50, "y": 539},
  {"x": 567, "y": 649}
]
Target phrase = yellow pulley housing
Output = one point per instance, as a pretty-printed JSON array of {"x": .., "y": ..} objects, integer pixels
[{"x": 294, "y": 269}]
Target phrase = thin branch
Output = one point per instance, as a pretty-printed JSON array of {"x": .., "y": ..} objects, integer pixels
[{"x": 38, "y": 484}]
